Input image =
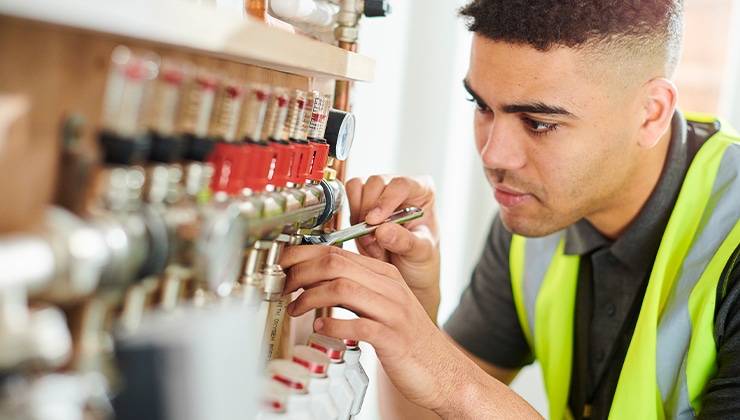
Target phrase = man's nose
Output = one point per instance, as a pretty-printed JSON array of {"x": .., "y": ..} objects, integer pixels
[{"x": 503, "y": 145}]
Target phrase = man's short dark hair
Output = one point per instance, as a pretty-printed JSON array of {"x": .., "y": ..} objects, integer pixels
[{"x": 654, "y": 26}]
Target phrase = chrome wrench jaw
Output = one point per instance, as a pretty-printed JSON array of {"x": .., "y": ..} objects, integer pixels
[{"x": 361, "y": 229}]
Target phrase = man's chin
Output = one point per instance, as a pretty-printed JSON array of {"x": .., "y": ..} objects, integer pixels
[{"x": 527, "y": 227}]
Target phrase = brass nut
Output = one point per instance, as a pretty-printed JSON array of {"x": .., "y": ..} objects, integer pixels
[{"x": 346, "y": 34}]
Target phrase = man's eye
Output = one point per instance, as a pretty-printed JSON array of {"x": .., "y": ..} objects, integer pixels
[
  {"x": 539, "y": 128},
  {"x": 480, "y": 106}
]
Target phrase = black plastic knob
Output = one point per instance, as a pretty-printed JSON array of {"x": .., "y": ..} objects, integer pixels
[
  {"x": 377, "y": 8},
  {"x": 125, "y": 150}
]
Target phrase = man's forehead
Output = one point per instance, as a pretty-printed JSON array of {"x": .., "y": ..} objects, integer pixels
[
  {"x": 515, "y": 55},
  {"x": 513, "y": 73}
]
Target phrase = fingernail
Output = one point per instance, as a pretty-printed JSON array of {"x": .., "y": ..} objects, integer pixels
[
  {"x": 290, "y": 308},
  {"x": 318, "y": 325}
]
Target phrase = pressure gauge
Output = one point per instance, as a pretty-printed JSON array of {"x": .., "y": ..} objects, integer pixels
[{"x": 340, "y": 131}]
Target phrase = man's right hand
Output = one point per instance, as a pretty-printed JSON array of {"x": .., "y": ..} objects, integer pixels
[{"x": 413, "y": 247}]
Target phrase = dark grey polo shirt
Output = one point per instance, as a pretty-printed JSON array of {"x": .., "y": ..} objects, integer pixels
[{"x": 611, "y": 285}]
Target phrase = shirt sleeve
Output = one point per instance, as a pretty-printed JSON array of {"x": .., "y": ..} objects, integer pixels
[
  {"x": 485, "y": 322},
  {"x": 722, "y": 400}
]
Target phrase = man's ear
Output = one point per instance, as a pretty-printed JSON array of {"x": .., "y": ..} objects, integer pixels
[{"x": 660, "y": 103}]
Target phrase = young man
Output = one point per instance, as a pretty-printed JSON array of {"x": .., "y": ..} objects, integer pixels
[{"x": 613, "y": 258}]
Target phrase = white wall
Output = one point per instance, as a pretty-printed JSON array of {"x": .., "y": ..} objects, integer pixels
[{"x": 729, "y": 101}]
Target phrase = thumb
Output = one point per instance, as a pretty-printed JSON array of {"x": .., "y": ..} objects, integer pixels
[{"x": 414, "y": 244}]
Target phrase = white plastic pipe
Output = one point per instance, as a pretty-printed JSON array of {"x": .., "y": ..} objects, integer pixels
[{"x": 317, "y": 13}]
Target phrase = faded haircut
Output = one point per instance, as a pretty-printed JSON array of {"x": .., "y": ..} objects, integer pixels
[{"x": 646, "y": 30}]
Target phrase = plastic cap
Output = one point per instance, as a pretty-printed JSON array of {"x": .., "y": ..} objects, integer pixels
[
  {"x": 377, "y": 8},
  {"x": 290, "y": 374},
  {"x": 350, "y": 343},
  {"x": 314, "y": 360},
  {"x": 274, "y": 397},
  {"x": 333, "y": 347}
]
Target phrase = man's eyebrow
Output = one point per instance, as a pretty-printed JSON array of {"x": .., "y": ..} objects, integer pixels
[
  {"x": 537, "y": 108},
  {"x": 528, "y": 108},
  {"x": 471, "y": 92}
]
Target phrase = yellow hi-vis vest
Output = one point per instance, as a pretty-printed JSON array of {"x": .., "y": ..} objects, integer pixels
[{"x": 672, "y": 354}]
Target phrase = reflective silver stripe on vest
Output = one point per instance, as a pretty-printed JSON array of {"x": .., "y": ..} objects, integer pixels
[
  {"x": 538, "y": 254},
  {"x": 674, "y": 330}
]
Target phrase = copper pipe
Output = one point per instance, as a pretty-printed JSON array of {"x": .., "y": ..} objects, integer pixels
[
  {"x": 341, "y": 102},
  {"x": 323, "y": 313},
  {"x": 257, "y": 9}
]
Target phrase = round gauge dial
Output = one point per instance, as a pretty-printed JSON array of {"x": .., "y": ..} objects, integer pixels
[{"x": 340, "y": 131}]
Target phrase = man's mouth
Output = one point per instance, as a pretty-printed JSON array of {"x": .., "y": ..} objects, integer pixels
[{"x": 509, "y": 197}]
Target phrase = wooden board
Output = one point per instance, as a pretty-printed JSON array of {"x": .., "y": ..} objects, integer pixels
[{"x": 200, "y": 30}]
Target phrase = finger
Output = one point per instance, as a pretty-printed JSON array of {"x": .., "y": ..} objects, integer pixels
[
  {"x": 361, "y": 329},
  {"x": 414, "y": 244},
  {"x": 368, "y": 245},
  {"x": 307, "y": 265},
  {"x": 293, "y": 255},
  {"x": 373, "y": 190},
  {"x": 310, "y": 274},
  {"x": 353, "y": 189},
  {"x": 348, "y": 294},
  {"x": 399, "y": 192}
]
